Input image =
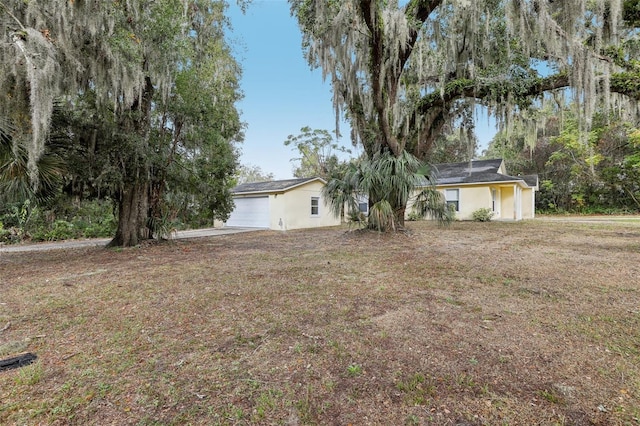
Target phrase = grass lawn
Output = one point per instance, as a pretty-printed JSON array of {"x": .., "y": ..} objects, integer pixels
[{"x": 475, "y": 324}]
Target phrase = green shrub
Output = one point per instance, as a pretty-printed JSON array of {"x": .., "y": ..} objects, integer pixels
[
  {"x": 95, "y": 219},
  {"x": 414, "y": 216},
  {"x": 102, "y": 229},
  {"x": 59, "y": 230},
  {"x": 482, "y": 215},
  {"x": 62, "y": 220},
  {"x": 162, "y": 227}
]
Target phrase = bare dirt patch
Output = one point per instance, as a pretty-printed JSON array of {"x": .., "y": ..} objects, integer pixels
[{"x": 475, "y": 324}]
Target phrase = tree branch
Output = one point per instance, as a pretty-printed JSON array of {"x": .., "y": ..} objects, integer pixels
[
  {"x": 626, "y": 83},
  {"x": 464, "y": 88},
  {"x": 417, "y": 11}
]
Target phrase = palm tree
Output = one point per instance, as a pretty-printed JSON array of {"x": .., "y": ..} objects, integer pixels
[
  {"x": 15, "y": 182},
  {"x": 389, "y": 182}
]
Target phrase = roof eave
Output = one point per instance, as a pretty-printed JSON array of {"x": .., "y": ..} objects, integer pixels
[
  {"x": 281, "y": 190},
  {"x": 494, "y": 182}
]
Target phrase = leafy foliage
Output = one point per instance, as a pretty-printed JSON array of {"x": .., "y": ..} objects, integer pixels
[
  {"x": 457, "y": 146},
  {"x": 405, "y": 72},
  {"x": 596, "y": 174},
  {"x": 251, "y": 173},
  {"x": 62, "y": 220},
  {"x": 317, "y": 153},
  {"x": 15, "y": 176}
]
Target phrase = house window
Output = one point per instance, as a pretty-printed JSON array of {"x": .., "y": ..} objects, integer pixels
[
  {"x": 363, "y": 207},
  {"x": 453, "y": 198},
  {"x": 315, "y": 206}
]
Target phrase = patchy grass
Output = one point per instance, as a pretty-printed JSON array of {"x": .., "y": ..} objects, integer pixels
[{"x": 475, "y": 324}]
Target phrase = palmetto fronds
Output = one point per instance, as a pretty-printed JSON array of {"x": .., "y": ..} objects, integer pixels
[
  {"x": 381, "y": 217},
  {"x": 389, "y": 182},
  {"x": 343, "y": 193},
  {"x": 431, "y": 203},
  {"x": 15, "y": 174}
]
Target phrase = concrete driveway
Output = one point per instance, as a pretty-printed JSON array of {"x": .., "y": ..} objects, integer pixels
[{"x": 193, "y": 233}]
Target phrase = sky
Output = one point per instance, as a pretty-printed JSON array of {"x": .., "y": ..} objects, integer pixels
[{"x": 281, "y": 92}]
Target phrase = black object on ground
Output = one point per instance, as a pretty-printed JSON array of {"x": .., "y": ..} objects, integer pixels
[{"x": 17, "y": 361}]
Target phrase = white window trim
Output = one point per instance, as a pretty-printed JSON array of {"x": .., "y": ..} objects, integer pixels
[
  {"x": 317, "y": 206},
  {"x": 457, "y": 190},
  {"x": 363, "y": 200}
]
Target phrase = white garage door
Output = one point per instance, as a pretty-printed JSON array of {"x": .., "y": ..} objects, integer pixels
[{"x": 250, "y": 212}]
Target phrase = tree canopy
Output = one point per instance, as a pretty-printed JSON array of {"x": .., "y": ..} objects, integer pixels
[
  {"x": 317, "y": 150},
  {"x": 247, "y": 173}
]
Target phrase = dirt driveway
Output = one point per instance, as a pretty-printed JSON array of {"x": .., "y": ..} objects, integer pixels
[{"x": 193, "y": 233}]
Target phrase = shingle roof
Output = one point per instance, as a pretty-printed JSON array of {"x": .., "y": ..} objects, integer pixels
[
  {"x": 531, "y": 180},
  {"x": 271, "y": 186},
  {"x": 476, "y": 171}
]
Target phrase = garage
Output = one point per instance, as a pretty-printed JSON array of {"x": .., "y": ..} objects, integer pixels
[
  {"x": 281, "y": 205},
  {"x": 250, "y": 212}
]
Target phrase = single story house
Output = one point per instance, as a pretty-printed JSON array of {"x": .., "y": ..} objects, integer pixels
[
  {"x": 477, "y": 184},
  {"x": 281, "y": 205}
]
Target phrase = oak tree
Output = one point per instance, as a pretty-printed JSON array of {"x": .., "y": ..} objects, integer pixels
[{"x": 128, "y": 58}]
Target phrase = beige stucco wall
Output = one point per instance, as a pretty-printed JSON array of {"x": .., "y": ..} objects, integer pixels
[
  {"x": 292, "y": 209},
  {"x": 474, "y": 197},
  {"x": 471, "y": 198},
  {"x": 507, "y": 206}
]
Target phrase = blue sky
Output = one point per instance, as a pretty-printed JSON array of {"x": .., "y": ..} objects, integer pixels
[{"x": 281, "y": 92}]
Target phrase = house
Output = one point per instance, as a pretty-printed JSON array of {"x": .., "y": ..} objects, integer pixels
[
  {"x": 281, "y": 205},
  {"x": 477, "y": 184}
]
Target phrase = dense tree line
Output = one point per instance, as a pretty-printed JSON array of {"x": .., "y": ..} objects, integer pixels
[{"x": 599, "y": 175}]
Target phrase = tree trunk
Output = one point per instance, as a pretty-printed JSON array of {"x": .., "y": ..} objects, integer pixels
[
  {"x": 399, "y": 217},
  {"x": 133, "y": 205},
  {"x": 132, "y": 216}
]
